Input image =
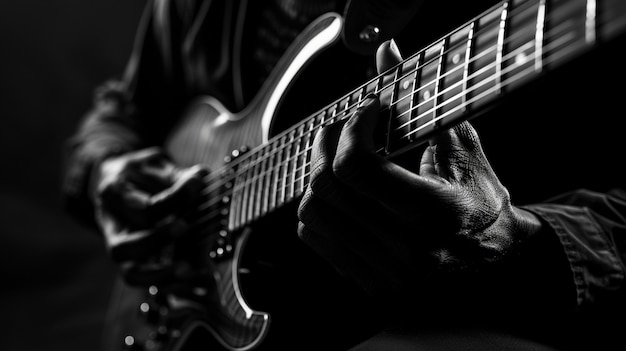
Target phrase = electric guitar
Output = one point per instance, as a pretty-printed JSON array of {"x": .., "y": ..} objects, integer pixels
[{"x": 453, "y": 79}]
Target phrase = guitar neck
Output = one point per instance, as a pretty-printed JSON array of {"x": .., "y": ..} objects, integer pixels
[{"x": 445, "y": 83}]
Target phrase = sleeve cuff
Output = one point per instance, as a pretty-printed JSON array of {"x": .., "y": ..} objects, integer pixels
[{"x": 594, "y": 264}]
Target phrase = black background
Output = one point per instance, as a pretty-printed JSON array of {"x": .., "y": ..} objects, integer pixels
[{"x": 55, "y": 278}]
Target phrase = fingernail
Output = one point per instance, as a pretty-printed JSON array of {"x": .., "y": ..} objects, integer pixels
[
  {"x": 369, "y": 98},
  {"x": 394, "y": 47}
]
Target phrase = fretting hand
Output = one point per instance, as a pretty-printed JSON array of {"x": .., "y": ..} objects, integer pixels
[{"x": 389, "y": 228}]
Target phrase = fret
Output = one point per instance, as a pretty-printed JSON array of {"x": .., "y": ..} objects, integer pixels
[
  {"x": 394, "y": 103},
  {"x": 262, "y": 188},
  {"x": 438, "y": 77},
  {"x": 282, "y": 170},
  {"x": 308, "y": 142},
  {"x": 298, "y": 186},
  {"x": 469, "y": 51},
  {"x": 565, "y": 32},
  {"x": 452, "y": 78},
  {"x": 609, "y": 18},
  {"x": 237, "y": 203},
  {"x": 234, "y": 198},
  {"x": 331, "y": 113},
  {"x": 357, "y": 96},
  {"x": 386, "y": 88},
  {"x": 425, "y": 94},
  {"x": 402, "y": 112},
  {"x": 245, "y": 185},
  {"x": 344, "y": 106},
  {"x": 267, "y": 176},
  {"x": 274, "y": 162},
  {"x": 524, "y": 42},
  {"x": 291, "y": 164},
  {"x": 254, "y": 189},
  {"x": 482, "y": 71}
]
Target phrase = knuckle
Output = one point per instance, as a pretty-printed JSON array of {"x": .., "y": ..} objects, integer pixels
[
  {"x": 321, "y": 178},
  {"x": 304, "y": 208},
  {"x": 304, "y": 233},
  {"x": 349, "y": 165}
]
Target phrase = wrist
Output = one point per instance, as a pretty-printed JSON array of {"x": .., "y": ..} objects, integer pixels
[{"x": 527, "y": 224}]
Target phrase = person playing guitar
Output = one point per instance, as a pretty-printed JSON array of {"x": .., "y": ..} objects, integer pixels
[{"x": 278, "y": 175}]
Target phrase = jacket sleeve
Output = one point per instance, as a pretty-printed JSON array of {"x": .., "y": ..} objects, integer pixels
[
  {"x": 591, "y": 228},
  {"x": 130, "y": 112}
]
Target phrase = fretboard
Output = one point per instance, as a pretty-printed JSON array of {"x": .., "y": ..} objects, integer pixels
[{"x": 491, "y": 55}]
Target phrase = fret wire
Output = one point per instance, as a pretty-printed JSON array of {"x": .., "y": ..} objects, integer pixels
[
  {"x": 254, "y": 196},
  {"x": 416, "y": 70},
  {"x": 539, "y": 33},
  {"x": 267, "y": 181},
  {"x": 274, "y": 174},
  {"x": 295, "y": 167},
  {"x": 438, "y": 79},
  {"x": 244, "y": 197},
  {"x": 261, "y": 190},
  {"x": 394, "y": 91},
  {"x": 500, "y": 49},
  {"x": 466, "y": 66},
  {"x": 590, "y": 21}
]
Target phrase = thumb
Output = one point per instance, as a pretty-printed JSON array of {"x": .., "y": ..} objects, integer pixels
[{"x": 387, "y": 56}]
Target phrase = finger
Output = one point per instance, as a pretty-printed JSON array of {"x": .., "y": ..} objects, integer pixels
[
  {"x": 324, "y": 185},
  {"x": 457, "y": 151},
  {"x": 178, "y": 198},
  {"x": 138, "y": 208},
  {"x": 357, "y": 164},
  {"x": 387, "y": 56}
]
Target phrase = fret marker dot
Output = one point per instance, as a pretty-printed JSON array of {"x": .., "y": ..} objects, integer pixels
[
  {"x": 456, "y": 59},
  {"x": 521, "y": 59},
  {"x": 426, "y": 95},
  {"x": 406, "y": 85}
]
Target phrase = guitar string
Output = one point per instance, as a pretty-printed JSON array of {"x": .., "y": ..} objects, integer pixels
[
  {"x": 330, "y": 106},
  {"x": 213, "y": 214},
  {"x": 428, "y": 113}
]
